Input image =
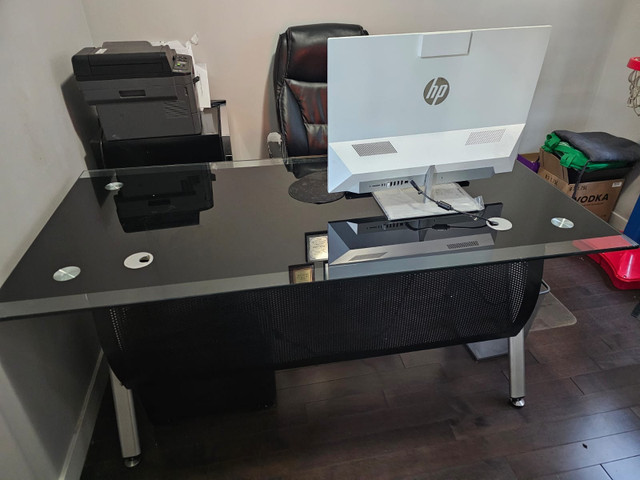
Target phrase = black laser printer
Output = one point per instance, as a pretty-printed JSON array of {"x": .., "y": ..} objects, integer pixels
[{"x": 139, "y": 90}]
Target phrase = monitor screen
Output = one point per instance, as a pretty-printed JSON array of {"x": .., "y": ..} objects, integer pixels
[{"x": 455, "y": 101}]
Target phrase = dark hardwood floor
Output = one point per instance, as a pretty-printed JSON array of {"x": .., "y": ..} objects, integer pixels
[{"x": 428, "y": 415}]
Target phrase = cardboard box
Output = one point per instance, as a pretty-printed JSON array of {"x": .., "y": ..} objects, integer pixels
[
  {"x": 599, "y": 197},
  {"x": 529, "y": 160}
]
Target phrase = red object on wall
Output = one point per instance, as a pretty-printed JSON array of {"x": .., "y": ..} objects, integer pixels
[
  {"x": 623, "y": 268},
  {"x": 634, "y": 63}
]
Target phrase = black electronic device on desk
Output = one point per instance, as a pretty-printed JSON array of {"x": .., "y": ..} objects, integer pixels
[
  {"x": 208, "y": 146},
  {"x": 140, "y": 90},
  {"x": 147, "y": 105}
]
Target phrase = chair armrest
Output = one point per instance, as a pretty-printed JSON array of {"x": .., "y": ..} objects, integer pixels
[{"x": 274, "y": 145}]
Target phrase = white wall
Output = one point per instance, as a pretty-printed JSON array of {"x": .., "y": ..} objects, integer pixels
[
  {"x": 238, "y": 39},
  {"x": 609, "y": 112},
  {"x": 47, "y": 368},
  {"x": 42, "y": 154},
  {"x": 46, "y": 364}
]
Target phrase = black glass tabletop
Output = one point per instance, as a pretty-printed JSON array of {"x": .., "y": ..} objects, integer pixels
[{"x": 143, "y": 234}]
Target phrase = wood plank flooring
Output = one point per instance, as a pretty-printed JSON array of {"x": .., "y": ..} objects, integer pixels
[{"x": 428, "y": 415}]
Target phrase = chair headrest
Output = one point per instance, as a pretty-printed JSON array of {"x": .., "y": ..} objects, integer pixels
[{"x": 307, "y": 48}]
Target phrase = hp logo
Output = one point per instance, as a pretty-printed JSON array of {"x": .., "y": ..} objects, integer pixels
[{"x": 436, "y": 91}]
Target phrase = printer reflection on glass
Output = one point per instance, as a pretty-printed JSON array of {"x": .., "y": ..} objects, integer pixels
[
  {"x": 139, "y": 90},
  {"x": 167, "y": 198}
]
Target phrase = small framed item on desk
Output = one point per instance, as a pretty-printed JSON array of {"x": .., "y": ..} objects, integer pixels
[
  {"x": 303, "y": 273},
  {"x": 316, "y": 247}
]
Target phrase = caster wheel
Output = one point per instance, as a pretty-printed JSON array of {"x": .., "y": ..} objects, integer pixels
[{"x": 517, "y": 402}]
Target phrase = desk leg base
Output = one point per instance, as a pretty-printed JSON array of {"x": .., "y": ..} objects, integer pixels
[
  {"x": 516, "y": 369},
  {"x": 126, "y": 420},
  {"x": 131, "y": 462}
]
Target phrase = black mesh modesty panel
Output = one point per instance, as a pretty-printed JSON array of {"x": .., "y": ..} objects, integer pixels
[{"x": 318, "y": 322}]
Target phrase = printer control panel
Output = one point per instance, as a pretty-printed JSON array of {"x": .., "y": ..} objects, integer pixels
[{"x": 182, "y": 64}]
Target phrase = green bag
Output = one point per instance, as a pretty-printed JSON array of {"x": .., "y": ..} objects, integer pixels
[{"x": 571, "y": 157}]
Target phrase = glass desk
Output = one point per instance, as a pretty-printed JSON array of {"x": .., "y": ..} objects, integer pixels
[
  {"x": 146, "y": 236},
  {"x": 229, "y": 226}
]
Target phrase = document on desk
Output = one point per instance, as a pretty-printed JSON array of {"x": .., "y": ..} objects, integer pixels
[{"x": 402, "y": 203}]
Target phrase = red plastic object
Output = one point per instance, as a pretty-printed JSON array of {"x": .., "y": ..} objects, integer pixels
[
  {"x": 623, "y": 268},
  {"x": 634, "y": 63}
]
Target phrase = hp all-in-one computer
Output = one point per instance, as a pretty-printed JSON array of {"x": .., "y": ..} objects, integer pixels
[{"x": 429, "y": 107}]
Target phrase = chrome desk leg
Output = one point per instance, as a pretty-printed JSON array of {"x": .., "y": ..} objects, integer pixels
[
  {"x": 126, "y": 419},
  {"x": 516, "y": 369}
]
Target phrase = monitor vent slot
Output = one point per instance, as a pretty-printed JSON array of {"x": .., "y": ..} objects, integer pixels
[
  {"x": 485, "y": 136},
  {"x": 367, "y": 256},
  {"x": 454, "y": 246},
  {"x": 373, "y": 148},
  {"x": 175, "y": 109}
]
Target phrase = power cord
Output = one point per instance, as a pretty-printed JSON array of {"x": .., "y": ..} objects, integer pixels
[
  {"x": 446, "y": 206},
  {"x": 440, "y": 227}
]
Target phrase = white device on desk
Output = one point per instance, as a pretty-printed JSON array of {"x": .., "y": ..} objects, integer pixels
[{"x": 455, "y": 101}]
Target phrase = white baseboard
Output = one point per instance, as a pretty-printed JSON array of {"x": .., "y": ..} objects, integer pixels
[
  {"x": 617, "y": 221},
  {"x": 79, "y": 446}
]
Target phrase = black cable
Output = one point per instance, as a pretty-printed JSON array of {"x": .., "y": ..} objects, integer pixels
[
  {"x": 449, "y": 208},
  {"x": 439, "y": 227},
  {"x": 574, "y": 195}
]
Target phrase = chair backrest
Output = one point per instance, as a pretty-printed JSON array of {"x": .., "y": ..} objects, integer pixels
[{"x": 300, "y": 85}]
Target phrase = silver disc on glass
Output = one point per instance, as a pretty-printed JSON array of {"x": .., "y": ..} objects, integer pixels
[
  {"x": 500, "y": 224},
  {"x": 138, "y": 260},
  {"x": 561, "y": 222},
  {"x": 66, "y": 273},
  {"x": 113, "y": 186}
]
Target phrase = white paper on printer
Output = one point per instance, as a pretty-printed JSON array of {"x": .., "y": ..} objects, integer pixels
[
  {"x": 200, "y": 70},
  {"x": 202, "y": 86}
]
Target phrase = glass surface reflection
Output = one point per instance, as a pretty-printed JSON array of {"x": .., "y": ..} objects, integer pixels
[
  {"x": 161, "y": 199},
  {"x": 370, "y": 239}
]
